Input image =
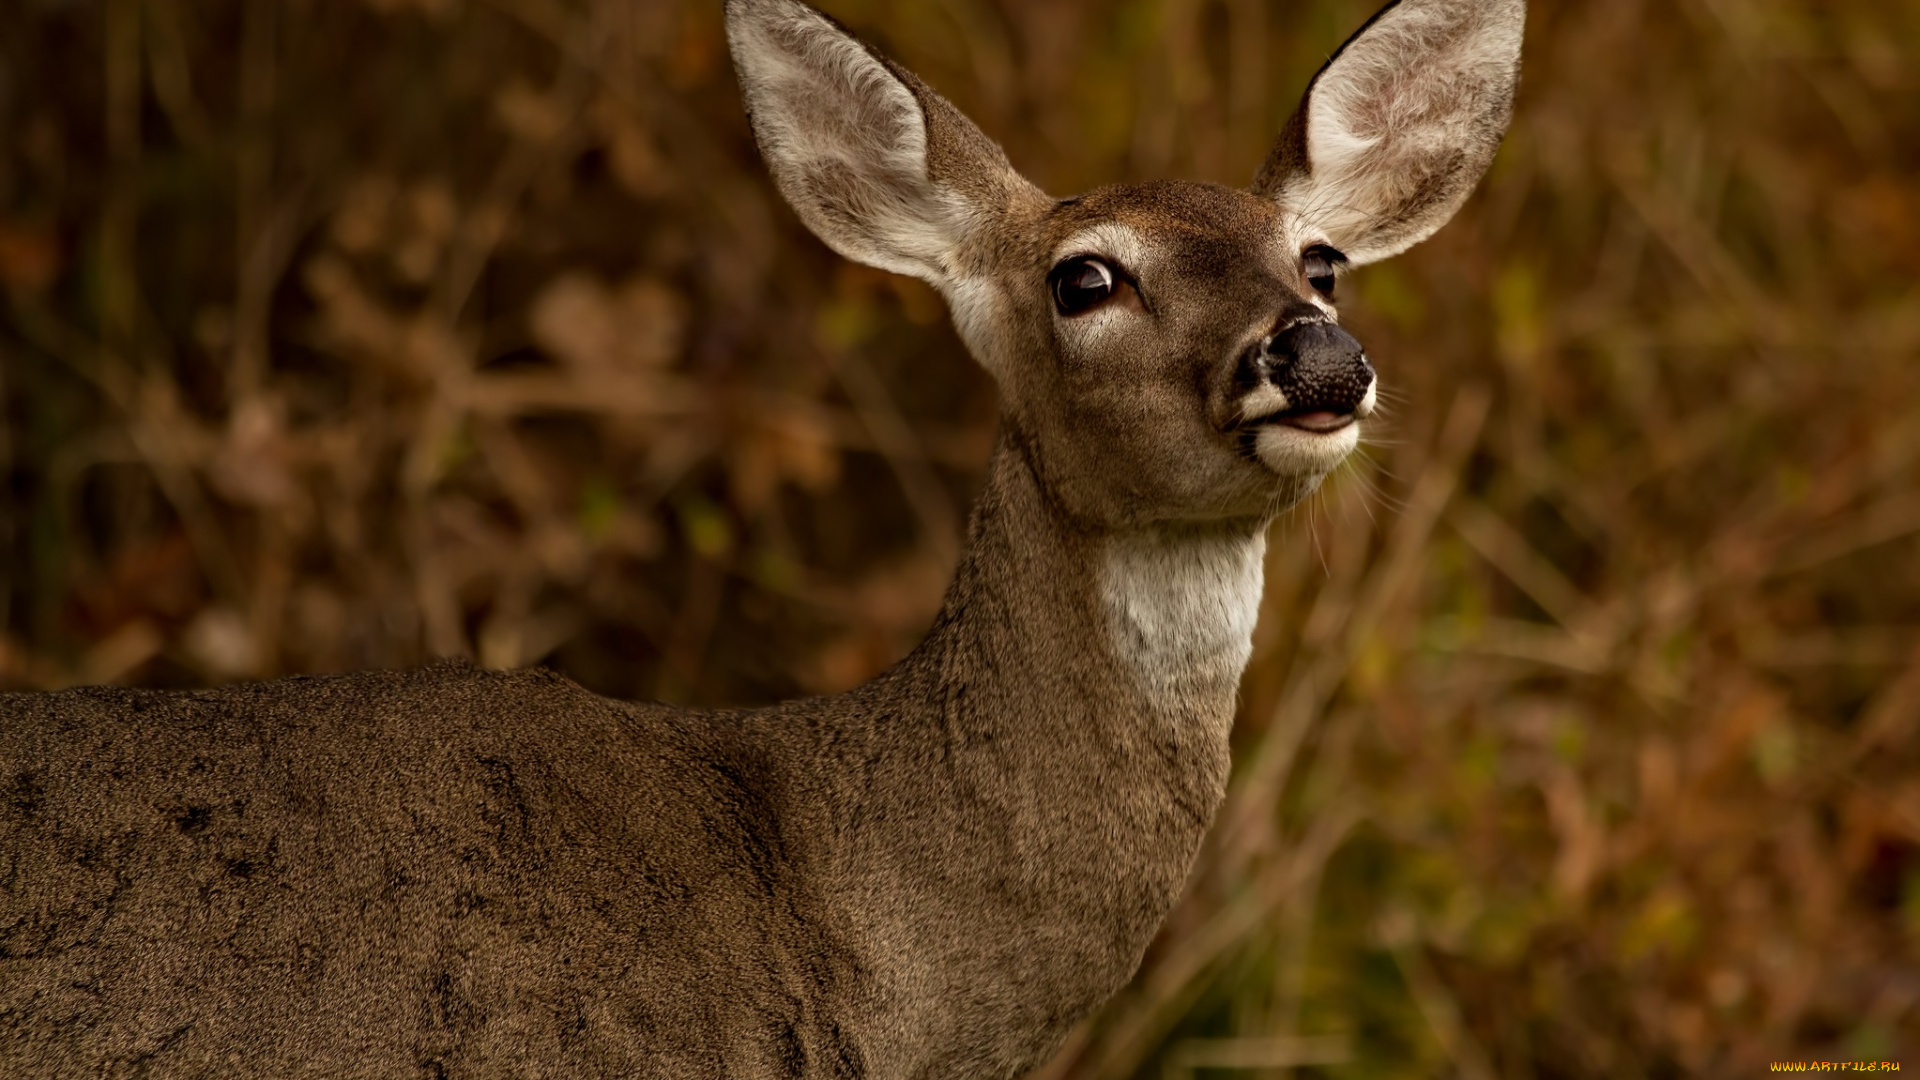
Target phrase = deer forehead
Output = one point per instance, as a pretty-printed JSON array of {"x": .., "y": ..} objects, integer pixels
[
  {"x": 1195, "y": 223},
  {"x": 1175, "y": 230}
]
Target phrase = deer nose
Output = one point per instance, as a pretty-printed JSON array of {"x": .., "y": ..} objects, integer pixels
[{"x": 1319, "y": 367}]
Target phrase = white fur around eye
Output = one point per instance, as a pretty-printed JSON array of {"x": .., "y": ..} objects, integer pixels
[
  {"x": 1116, "y": 243},
  {"x": 1121, "y": 248}
]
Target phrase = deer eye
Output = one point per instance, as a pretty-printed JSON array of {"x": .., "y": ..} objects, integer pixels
[
  {"x": 1081, "y": 284},
  {"x": 1320, "y": 262}
]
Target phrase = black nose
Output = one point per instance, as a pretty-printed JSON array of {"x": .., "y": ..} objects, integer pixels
[{"x": 1320, "y": 367}]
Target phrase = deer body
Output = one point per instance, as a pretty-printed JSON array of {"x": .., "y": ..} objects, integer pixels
[
  {"x": 458, "y": 873},
  {"x": 501, "y": 868}
]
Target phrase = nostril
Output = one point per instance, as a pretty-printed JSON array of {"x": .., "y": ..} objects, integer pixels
[{"x": 1255, "y": 368}]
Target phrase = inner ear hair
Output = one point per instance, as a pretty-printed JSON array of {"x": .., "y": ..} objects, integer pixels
[
  {"x": 845, "y": 139},
  {"x": 878, "y": 166},
  {"x": 1397, "y": 128}
]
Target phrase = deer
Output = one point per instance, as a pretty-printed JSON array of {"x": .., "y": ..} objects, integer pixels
[{"x": 451, "y": 872}]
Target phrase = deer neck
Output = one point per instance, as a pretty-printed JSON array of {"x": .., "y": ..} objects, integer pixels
[
  {"x": 1112, "y": 644},
  {"x": 1154, "y": 622},
  {"x": 1063, "y": 736}
]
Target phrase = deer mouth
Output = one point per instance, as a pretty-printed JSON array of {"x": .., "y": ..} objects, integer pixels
[
  {"x": 1304, "y": 440},
  {"x": 1267, "y": 407},
  {"x": 1312, "y": 421},
  {"x": 1317, "y": 421}
]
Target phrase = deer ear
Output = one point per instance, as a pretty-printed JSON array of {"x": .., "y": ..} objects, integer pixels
[
  {"x": 1397, "y": 128},
  {"x": 880, "y": 167}
]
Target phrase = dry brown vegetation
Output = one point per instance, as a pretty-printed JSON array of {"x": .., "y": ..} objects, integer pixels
[{"x": 1580, "y": 739}]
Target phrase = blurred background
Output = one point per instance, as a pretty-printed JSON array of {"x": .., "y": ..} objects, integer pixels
[{"x": 1580, "y": 738}]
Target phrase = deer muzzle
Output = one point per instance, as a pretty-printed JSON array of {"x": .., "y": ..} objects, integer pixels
[{"x": 1323, "y": 374}]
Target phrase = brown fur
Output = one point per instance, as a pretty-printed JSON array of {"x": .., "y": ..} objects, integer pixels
[{"x": 454, "y": 872}]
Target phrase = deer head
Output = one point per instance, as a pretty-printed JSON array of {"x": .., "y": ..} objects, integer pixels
[{"x": 1167, "y": 352}]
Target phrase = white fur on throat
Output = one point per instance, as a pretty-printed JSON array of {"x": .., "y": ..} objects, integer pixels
[{"x": 1180, "y": 611}]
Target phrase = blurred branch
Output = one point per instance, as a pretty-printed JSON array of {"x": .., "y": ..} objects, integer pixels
[
  {"x": 169, "y": 440},
  {"x": 1441, "y": 1011},
  {"x": 1188, "y": 1056},
  {"x": 1889, "y": 520},
  {"x": 939, "y": 523},
  {"x": 1508, "y": 550}
]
